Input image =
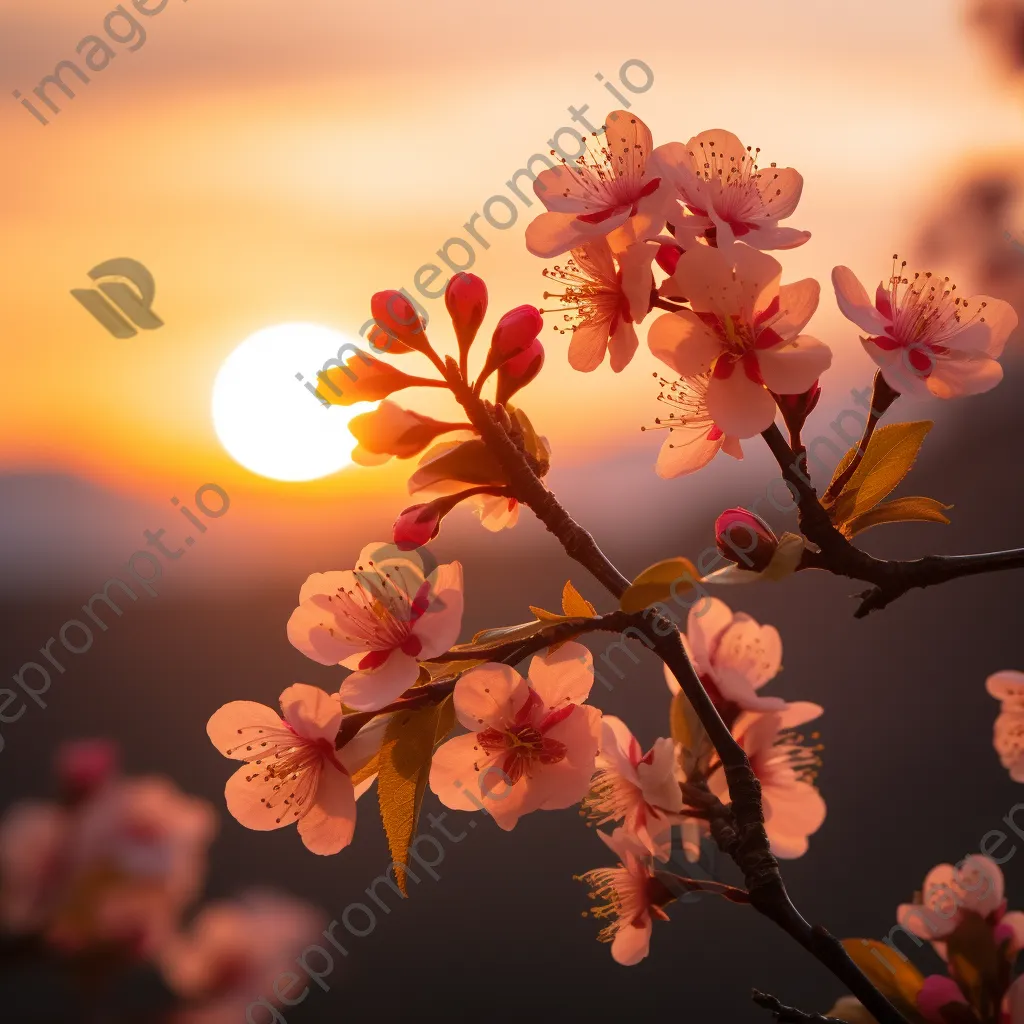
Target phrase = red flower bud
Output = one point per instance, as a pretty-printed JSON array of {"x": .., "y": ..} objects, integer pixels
[
  {"x": 515, "y": 332},
  {"x": 466, "y": 299},
  {"x": 84, "y": 766},
  {"x": 745, "y": 538},
  {"x": 397, "y": 318},
  {"x": 417, "y": 525},
  {"x": 363, "y": 379},
  {"x": 668, "y": 255},
  {"x": 517, "y": 372}
]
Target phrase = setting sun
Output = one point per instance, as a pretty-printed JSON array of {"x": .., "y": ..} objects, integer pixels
[{"x": 266, "y": 420}]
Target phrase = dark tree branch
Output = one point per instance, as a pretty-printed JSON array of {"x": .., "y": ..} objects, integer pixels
[
  {"x": 790, "y": 1014},
  {"x": 890, "y": 579}
]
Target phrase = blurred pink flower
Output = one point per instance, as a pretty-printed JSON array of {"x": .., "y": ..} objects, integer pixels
[
  {"x": 292, "y": 771},
  {"x": 724, "y": 190},
  {"x": 694, "y": 438},
  {"x": 234, "y": 950},
  {"x": 634, "y": 897},
  {"x": 606, "y": 301},
  {"x": 599, "y": 192},
  {"x": 926, "y": 339},
  {"x": 793, "y": 807},
  {"x": 936, "y": 992},
  {"x": 532, "y": 744},
  {"x": 85, "y": 766},
  {"x": 638, "y": 789},
  {"x": 735, "y": 656},
  {"x": 33, "y": 853},
  {"x": 745, "y": 329},
  {"x": 1008, "y": 731},
  {"x": 975, "y": 886},
  {"x": 380, "y": 619}
]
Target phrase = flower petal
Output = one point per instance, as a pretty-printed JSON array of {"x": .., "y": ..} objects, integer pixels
[
  {"x": 490, "y": 695},
  {"x": 632, "y": 942},
  {"x": 311, "y": 712},
  {"x": 854, "y": 302},
  {"x": 705, "y": 623},
  {"x": 739, "y": 405},
  {"x": 686, "y": 449},
  {"x": 792, "y": 368},
  {"x": 622, "y": 346},
  {"x": 684, "y": 342},
  {"x": 370, "y": 690},
  {"x": 797, "y": 304},
  {"x": 452, "y": 773},
  {"x": 227, "y": 723},
  {"x": 329, "y": 824},
  {"x": 564, "y": 676},
  {"x": 249, "y": 795},
  {"x": 588, "y": 345},
  {"x": 747, "y": 656}
]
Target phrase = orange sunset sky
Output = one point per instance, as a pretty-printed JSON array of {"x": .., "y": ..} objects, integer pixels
[{"x": 275, "y": 162}]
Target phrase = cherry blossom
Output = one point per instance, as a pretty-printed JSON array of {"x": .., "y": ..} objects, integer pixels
[
  {"x": 380, "y": 619},
  {"x": 233, "y": 949},
  {"x": 33, "y": 864},
  {"x": 1008, "y": 731},
  {"x": 606, "y": 301},
  {"x": 633, "y": 898},
  {"x": 926, "y": 339},
  {"x": 532, "y": 743},
  {"x": 743, "y": 328},
  {"x": 599, "y": 191},
  {"x": 974, "y": 886},
  {"x": 389, "y": 430},
  {"x": 735, "y": 656},
  {"x": 728, "y": 196},
  {"x": 793, "y": 807},
  {"x": 694, "y": 438},
  {"x": 638, "y": 789},
  {"x": 292, "y": 771}
]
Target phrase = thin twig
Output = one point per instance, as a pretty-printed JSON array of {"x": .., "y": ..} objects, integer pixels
[{"x": 790, "y": 1014}]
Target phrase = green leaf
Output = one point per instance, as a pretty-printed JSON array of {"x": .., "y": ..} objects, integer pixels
[
  {"x": 895, "y": 977},
  {"x": 658, "y": 582},
  {"x": 689, "y": 732},
  {"x": 890, "y": 454},
  {"x": 487, "y": 639},
  {"x": 403, "y": 767},
  {"x": 900, "y": 510}
]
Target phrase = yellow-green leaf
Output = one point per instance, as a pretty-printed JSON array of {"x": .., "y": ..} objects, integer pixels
[
  {"x": 899, "y": 510},
  {"x": 851, "y": 1011},
  {"x": 574, "y": 604},
  {"x": 783, "y": 563},
  {"x": 689, "y": 733},
  {"x": 658, "y": 582},
  {"x": 370, "y": 768},
  {"x": 403, "y": 766},
  {"x": 893, "y": 975},
  {"x": 446, "y": 669},
  {"x": 488, "y": 638},
  {"x": 890, "y": 454}
]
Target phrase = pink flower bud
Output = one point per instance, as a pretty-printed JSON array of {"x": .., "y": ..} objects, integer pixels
[
  {"x": 391, "y": 430},
  {"x": 416, "y": 525},
  {"x": 84, "y": 766},
  {"x": 516, "y": 330},
  {"x": 668, "y": 255},
  {"x": 397, "y": 318},
  {"x": 745, "y": 539},
  {"x": 466, "y": 299},
  {"x": 517, "y": 372},
  {"x": 362, "y": 379}
]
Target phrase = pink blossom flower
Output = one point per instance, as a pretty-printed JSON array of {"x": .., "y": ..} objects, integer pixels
[
  {"x": 694, "y": 438},
  {"x": 793, "y": 807},
  {"x": 292, "y": 771},
  {"x": 633, "y": 898},
  {"x": 495, "y": 512},
  {"x": 532, "y": 743},
  {"x": 389, "y": 430},
  {"x": 1008, "y": 732},
  {"x": 745, "y": 329},
  {"x": 936, "y": 992},
  {"x": 600, "y": 191},
  {"x": 638, "y": 789},
  {"x": 974, "y": 886},
  {"x": 86, "y": 766},
  {"x": 235, "y": 949},
  {"x": 925, "y": 338},
  {"x": 735, "y": 656},
  {"x": 380, "y": 619},
  {"x": 726, "y": 193},
  {"x": 606, "y": 301}
]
